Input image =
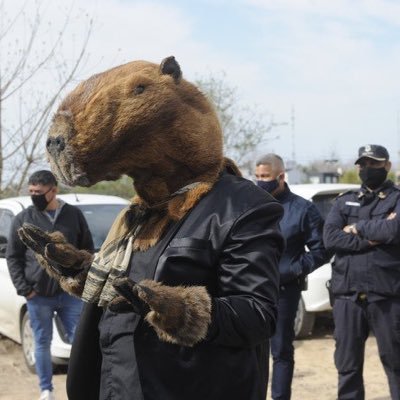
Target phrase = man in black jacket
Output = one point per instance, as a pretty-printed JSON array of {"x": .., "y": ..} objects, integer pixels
[
  {"x": 301, "y": 226},
  {"x": 363, "y": 228},
  {"x": 43, "y": 294}
]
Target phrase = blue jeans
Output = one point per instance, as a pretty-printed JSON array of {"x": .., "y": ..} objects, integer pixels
[
  {"x": 282, "y": 349},
  {"x": 41, "y": 311}
]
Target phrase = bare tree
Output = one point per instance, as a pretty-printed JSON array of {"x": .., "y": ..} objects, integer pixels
[
  {"x": 33, "y": 75},
  {"x": 244, "y": 127}
]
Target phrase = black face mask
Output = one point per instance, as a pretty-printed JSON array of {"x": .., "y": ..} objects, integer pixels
[
  {"x": 373, "y": 177},
  {"x": 40, "y": 201},
  {"x": 268, "y": 186}
]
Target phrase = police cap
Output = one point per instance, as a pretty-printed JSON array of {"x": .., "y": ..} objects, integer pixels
[{"x": 374, "y": 151}]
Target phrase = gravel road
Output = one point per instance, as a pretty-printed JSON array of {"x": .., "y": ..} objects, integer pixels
[{"x": 315, "y": 374}]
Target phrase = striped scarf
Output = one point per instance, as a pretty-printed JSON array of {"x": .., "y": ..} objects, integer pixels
[{"x": 111, "y": 261}]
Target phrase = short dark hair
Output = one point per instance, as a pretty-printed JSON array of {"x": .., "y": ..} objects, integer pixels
[
  {"x": 272, "y": 159},
  {"x": 42, "y": 177}
]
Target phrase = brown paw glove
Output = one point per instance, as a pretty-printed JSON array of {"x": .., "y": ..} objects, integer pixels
[
  {"x": 129, "y": 300},
  {"x": 179, "y": 315},
  {"x": 60, "y": 259}
]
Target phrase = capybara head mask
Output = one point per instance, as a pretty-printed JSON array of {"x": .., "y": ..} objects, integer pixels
[{"x": 140, "y": 119}]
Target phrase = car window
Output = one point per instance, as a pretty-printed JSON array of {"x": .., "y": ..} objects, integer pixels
[
  {"x": 324, "y": 202},
  {"x": 6, "y": 217},
  {"x": 100, "y": 218}
]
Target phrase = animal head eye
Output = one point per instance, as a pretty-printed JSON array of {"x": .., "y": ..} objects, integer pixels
[{"x": 139, "y": 89}]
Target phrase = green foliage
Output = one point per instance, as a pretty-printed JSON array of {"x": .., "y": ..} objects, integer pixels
[
  {"x": 123, "y": 187},
  {"x": 350, "y": 176}
]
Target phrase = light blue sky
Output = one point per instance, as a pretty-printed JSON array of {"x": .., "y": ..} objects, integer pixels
[{"x": 336, "y": 62}]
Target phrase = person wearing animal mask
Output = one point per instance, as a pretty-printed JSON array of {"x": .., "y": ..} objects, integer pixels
[
  {"x": 182, "y": 297},
  {"x": 301, "y": 227},
  {"x": 363, "y": 229}
]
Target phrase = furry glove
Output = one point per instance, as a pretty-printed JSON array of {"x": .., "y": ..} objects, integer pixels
[
  {"x": 179, "y": 315},
  {"x": 61, "y": 260}
]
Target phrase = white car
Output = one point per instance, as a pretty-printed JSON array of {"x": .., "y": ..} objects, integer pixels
[
  {"x": 315, "y": 299},
  {"x": 99, "y": 211}
]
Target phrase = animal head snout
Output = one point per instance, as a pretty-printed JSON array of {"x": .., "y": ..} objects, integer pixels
[{"x": 55, "y": 145}]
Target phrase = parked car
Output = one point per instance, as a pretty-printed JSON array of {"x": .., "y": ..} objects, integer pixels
[
  {"x": 315, "y": 300},
  {"x": 99, "y": 211}
]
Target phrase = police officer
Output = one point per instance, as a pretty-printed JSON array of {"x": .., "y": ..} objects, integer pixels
[
  {"x": 363, "y": 229},
  {"x": 301, "y": 226}
]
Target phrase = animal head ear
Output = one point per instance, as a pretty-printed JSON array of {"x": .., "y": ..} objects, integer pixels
[{"x": 170, "y": 66}]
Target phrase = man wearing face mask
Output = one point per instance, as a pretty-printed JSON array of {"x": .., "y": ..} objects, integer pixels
[
  {"x": 43, "y": 294},
  {"x": 363, "y": 229},
  {"x": 301, "y": 226}
]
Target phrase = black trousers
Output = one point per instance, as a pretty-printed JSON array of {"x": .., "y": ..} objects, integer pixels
[
  {"x": 282, "y": 349},
  {"x": 353, "y": 322}
]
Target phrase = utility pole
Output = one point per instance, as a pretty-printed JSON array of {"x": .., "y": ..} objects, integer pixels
[
  {"x": 398, "y": 136},
  {"x": 292, "y": 123},
  {"x": 398, "y": 147}
]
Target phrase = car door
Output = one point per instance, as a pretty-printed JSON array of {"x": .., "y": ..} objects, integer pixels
[{"x": 10, "y": 302}]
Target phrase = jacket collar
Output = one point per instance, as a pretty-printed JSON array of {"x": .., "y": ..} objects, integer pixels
[
  {"x": 282, "y": 196},
  {"x": 381, "y": 191}
]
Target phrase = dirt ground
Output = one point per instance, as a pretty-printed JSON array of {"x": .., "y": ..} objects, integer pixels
[{"x": 315, "y": 374}]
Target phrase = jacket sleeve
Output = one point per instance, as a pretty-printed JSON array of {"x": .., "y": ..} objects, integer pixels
[
  {"x": 16, "y": 259},
  {"x": 381, "y": 230},
  {"x": 335, "y": 239},
  {"x": 85, "y": 239},
  {"x": 244, "y": 312},
  {"x": 316, "y": 254}
]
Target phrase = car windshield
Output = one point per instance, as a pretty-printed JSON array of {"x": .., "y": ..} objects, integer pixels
[
  {"x": 100, "y": 218},
  {"x": 324, "y": 202}
]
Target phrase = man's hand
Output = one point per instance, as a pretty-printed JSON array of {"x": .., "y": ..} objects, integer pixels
[
  {"x": 31, "y": 295},
  {"x": 351, "y": 229},
  {"x": 391, "y": 216}
]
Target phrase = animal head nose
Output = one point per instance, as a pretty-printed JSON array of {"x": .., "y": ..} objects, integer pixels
[{"x": 55, "y": 144}]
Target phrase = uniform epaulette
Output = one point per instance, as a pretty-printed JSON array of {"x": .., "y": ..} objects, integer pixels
[{"x": 348, "y": 192}]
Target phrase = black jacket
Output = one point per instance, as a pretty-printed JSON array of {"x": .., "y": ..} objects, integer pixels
[
  {"x": 360, "y": 266},
  {"x": 230, "y": 243},
  {"x": 301, "y": 226},
  {"x": 25, "y": 271}
]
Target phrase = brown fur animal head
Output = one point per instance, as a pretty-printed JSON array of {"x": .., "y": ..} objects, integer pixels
[{"x": 139, "y": 119}]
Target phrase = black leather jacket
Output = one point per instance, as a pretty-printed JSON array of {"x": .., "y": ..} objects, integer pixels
[{"x": 230, "y": 243}]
